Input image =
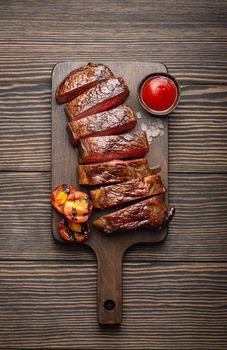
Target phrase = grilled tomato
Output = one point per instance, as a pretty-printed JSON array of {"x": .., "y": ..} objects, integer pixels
[
  {"x": 73, "y": 232},
  {"x": 59, "y": 196},
  {"x": 77, "y": 207}
]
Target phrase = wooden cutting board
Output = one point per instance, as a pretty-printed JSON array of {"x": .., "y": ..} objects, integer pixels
[{"x": 109, "y": 250}]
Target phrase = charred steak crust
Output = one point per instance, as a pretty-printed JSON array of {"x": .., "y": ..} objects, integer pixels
[
  {"x": 151, "y": 213},
  {"x": 109, "y": 196},
  {"x": 112, "y": 172},
  {"x": 103, "y": 96},
  {"x": 114, "y": 121},
  {"x": 100, "y": 149},
  {"x": 81, "y": 79}
]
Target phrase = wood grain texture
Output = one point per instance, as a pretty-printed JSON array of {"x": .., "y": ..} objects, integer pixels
[
  {"x": 197, "y": 128},
  {"x": 204, "y": 12},
  {"x": 198, "y": 230},
  {"x": 38, "y": 70},
  {"x": 166, "y": 306},
  {"x": 186, "y": 32}
]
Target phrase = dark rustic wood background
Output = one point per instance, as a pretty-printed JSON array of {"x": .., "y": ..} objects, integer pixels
[{"x": 175, "y": 294}]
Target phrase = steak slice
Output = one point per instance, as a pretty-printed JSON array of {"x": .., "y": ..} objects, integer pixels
[
  {"x": 101, "y": 149},
  {"x": 114, "y": 171},
  {"x": 77, "y": 81},
  {"x": 114, "y": 121},
  {"x": 103, "y": 96},
  {"x": 151, "y": 213},
  {"x": 109, "y": 196}
]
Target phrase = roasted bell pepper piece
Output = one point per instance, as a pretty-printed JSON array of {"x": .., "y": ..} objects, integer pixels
[
  {"x": 77, "y": 207},
  {"x": 59, "y": 196},
  {"x": 73, "y": 232}
]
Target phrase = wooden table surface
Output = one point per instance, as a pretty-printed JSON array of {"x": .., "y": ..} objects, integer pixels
[{"x": 175, "y": 294}]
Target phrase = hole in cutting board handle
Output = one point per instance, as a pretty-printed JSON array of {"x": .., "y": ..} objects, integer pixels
[{"x": 109, "y": 305}]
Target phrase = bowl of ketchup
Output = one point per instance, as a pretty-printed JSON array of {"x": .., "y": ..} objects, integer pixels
[{"x": 159, "y": 93}]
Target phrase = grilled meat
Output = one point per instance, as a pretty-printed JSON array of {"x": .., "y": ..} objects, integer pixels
[
  {"x": 101, "y": 149},
  {"x": 114, "y": 171},
  {"x": 109, "y": 196},
  {"x": 77, "y": 81},
  {"x": 114, "y": 121},
  {"x": 151, "y": 213},
  {"x": 103, "y": 96}
]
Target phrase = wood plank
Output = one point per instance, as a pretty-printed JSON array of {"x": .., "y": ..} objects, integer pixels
[
  {"x": 199, "y": 53},
  {"x": 192, "y": 74},
  {"x": 67, "y": 32},
  {"x": 197, "y": 128},
  {"x": 39, "y": 71},
  {"x": 198, "y": 231},
  {"x": 202, "y": 12},
  {"x": 166, "y": 306}
]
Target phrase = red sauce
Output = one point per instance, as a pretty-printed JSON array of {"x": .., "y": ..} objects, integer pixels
[{"x": 159, "y": 93}]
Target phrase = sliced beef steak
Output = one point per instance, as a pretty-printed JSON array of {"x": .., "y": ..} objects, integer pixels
[
  {"x": 112, "y": 122},
  {"x": 114, "y": 171},
  {"x": 103, "y": 96},
  {"x": 101, "y": 149},
  {"x": 151, "y": 213},
  {"x": 77, "y": 81},
  {"x": 109, "y": 196}
]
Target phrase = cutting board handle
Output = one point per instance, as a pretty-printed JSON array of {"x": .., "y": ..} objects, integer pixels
[{"x": 110, "y": 286}]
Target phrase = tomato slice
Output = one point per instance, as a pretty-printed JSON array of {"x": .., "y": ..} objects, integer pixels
[
  {"x": 59, "y": 196},
  {"x": 77, "y": 207},
  {"x": 73, "y": 232}
]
